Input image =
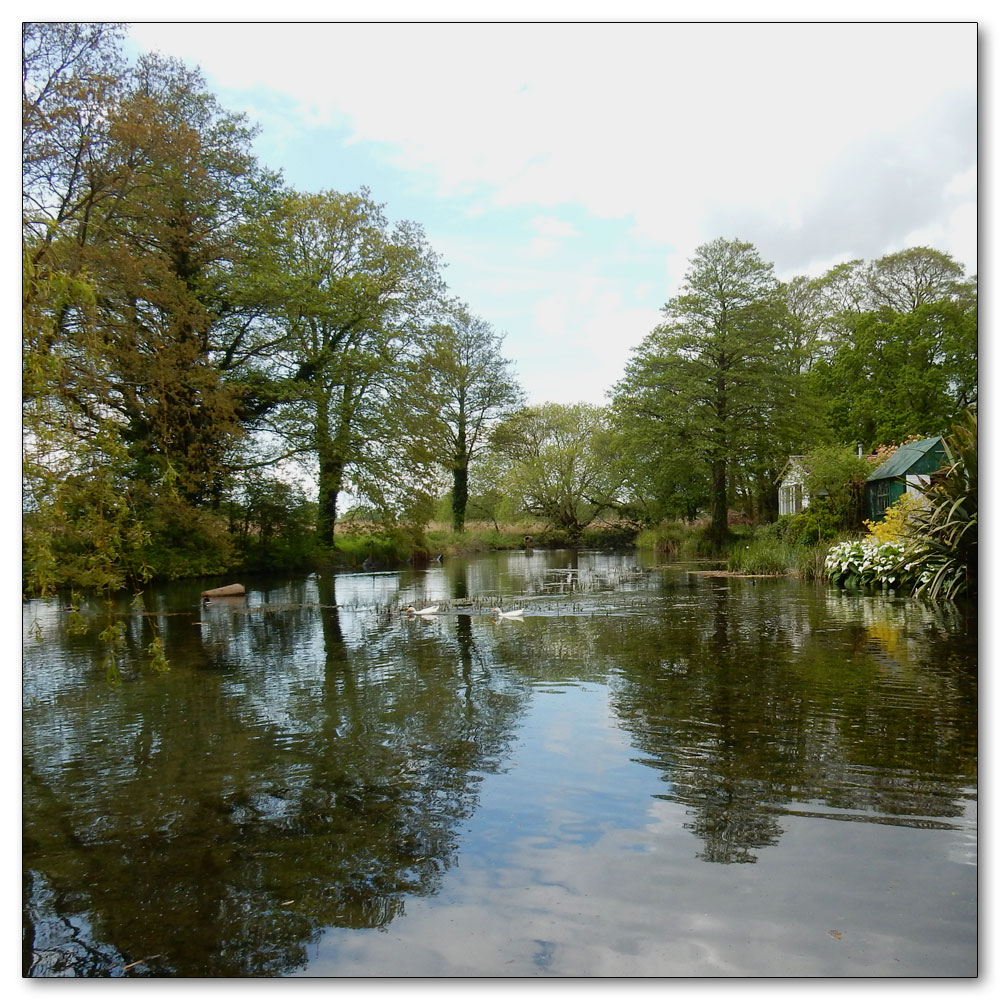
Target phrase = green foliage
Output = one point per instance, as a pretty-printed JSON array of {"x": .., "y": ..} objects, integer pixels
[
  {"x": 113, "y": 636},
  {"x": 822, "y": 520},
  {"x": 463, "y": 385},
  {"x": 186, "y": 541},
  {"x": 702, "y": 543},
  {"x": 273, "y": 525},
  {"x": 82, "y": 527},
  {"x": 346, "y": 295},
  {"x": 131, "y": 178},
  {"x": 559, "y": 464},
  {"x": 157, "y": 656},
  {"x": 665, "y": 539},
  {"x": 375, "y": 549},
  {"x": 903, "y": 355},
  {"x": 946, "y": 526},
  {"x": 835, "y": 482},
  {"x": 473, "y": 540},
  {"x": 714, "y": 396}
]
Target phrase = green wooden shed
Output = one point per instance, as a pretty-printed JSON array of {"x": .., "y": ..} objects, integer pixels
[{"x": 906, "y": 470}]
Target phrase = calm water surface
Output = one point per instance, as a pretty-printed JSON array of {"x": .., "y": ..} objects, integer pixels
[{"x": 657, "y": 772}]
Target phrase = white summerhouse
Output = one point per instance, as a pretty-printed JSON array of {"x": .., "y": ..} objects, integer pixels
[{"x": 792, "y": 495}]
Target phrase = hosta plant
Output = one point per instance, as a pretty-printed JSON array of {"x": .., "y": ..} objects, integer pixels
[{"x": 869, "y": 563}]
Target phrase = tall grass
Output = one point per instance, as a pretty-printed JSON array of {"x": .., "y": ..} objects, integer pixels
[
  {"x": 482, "y": 536},
  {"x": 666, "y": 539},
  {"x": 762, "y": 557},
  {"x": 810, "y": 561},
  {"x": 377, "y": 549}
]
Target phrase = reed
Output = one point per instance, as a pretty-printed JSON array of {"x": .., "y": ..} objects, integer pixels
[{"x": 762, "y": 557}]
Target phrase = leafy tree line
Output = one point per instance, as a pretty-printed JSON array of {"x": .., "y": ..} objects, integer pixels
[
  {"x": 213, "y": 362},
  {"x": 193, "y": 329},
  {"x": 746, "y": 370}
]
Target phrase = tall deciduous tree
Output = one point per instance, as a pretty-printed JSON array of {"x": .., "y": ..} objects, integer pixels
[
  {"x": 891, "y": 375},
  {"x": 715, "y": 383},
  {"x": 467, "y": 385},
  {"x": 134, "y": 181},
  {"x": 350, "y": 295}
]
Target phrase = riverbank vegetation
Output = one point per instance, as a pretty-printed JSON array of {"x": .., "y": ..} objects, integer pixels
[{"x": 224, "y": 374}]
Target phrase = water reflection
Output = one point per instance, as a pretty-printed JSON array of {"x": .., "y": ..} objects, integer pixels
[
  {"x": 765, "y": 705},
  {"x": 312, "y": 759},
  {"x": 284, "y": 777}
]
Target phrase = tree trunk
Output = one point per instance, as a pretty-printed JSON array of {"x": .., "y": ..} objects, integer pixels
[
  {"x": 460, "y": 480},
  {"x": 331, "y": 476},
  {"x": 459, "y": 496},
  {"x": 720, "y": 502},
  {"x": 720, "y": 483},
  {"x": 331, "y": 479}
]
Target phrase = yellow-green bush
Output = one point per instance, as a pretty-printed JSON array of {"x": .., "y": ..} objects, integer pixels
[{"x": 897, "y": 525}]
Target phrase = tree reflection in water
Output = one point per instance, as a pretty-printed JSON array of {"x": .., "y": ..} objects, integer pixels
[
  {"x": 756, "y": 707},
  {"x": 231, "y": 815},
  {"x": 306, "y": 766}
]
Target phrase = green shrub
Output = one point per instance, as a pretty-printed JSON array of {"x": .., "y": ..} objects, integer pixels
[
  {"x": 699, "y": 543},
  {"x": 818, "y": 522},
  {"x": 665, "y": 539},
  {"x": 611, "y": 536},
  {"x": 776, "y": 531},
  {"x": 382, "y": 549},
  {"x": 837, "y": 472},
  {"x": 946, "y": 527}
]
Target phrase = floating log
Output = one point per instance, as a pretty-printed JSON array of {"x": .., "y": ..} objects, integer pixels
[{"x": 233, "y": 590}]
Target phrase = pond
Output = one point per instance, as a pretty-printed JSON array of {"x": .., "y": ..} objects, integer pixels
[{"x": 655, "y": 772}]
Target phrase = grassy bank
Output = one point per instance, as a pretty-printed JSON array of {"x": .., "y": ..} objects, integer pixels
[
  {"x": 761, "y": 551},
  {"x": 680, "y": 540},
  {"x": 365, "y": 546}
]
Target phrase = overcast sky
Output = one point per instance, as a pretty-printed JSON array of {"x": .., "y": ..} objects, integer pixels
[{"x": 566, "y": 172}]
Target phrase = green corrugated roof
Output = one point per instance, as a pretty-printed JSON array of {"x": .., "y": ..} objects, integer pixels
[{"x": 903, "y": 459}]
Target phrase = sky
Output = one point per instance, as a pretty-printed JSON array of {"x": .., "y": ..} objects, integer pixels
[{"x": 566, "y": 172}]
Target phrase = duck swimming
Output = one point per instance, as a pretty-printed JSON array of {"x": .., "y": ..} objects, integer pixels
[{"x": 432, "y": 610}]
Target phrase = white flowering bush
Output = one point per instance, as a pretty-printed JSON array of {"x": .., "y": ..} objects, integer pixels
[{"x": 867, "y": 562}]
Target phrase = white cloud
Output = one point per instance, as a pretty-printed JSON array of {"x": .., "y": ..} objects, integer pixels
[
  {"x": 581, "y": 332},
  {"x": 547, "y": 225},
  {"x": 963, "y": 185},
  {"x": 671, "y": 125},
  {"x": 551, "y": 233}
]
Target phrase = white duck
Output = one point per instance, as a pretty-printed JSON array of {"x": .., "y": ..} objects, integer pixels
[
  {"x": 426, "y": 612},
  {"x": 508, "y": 614}
]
